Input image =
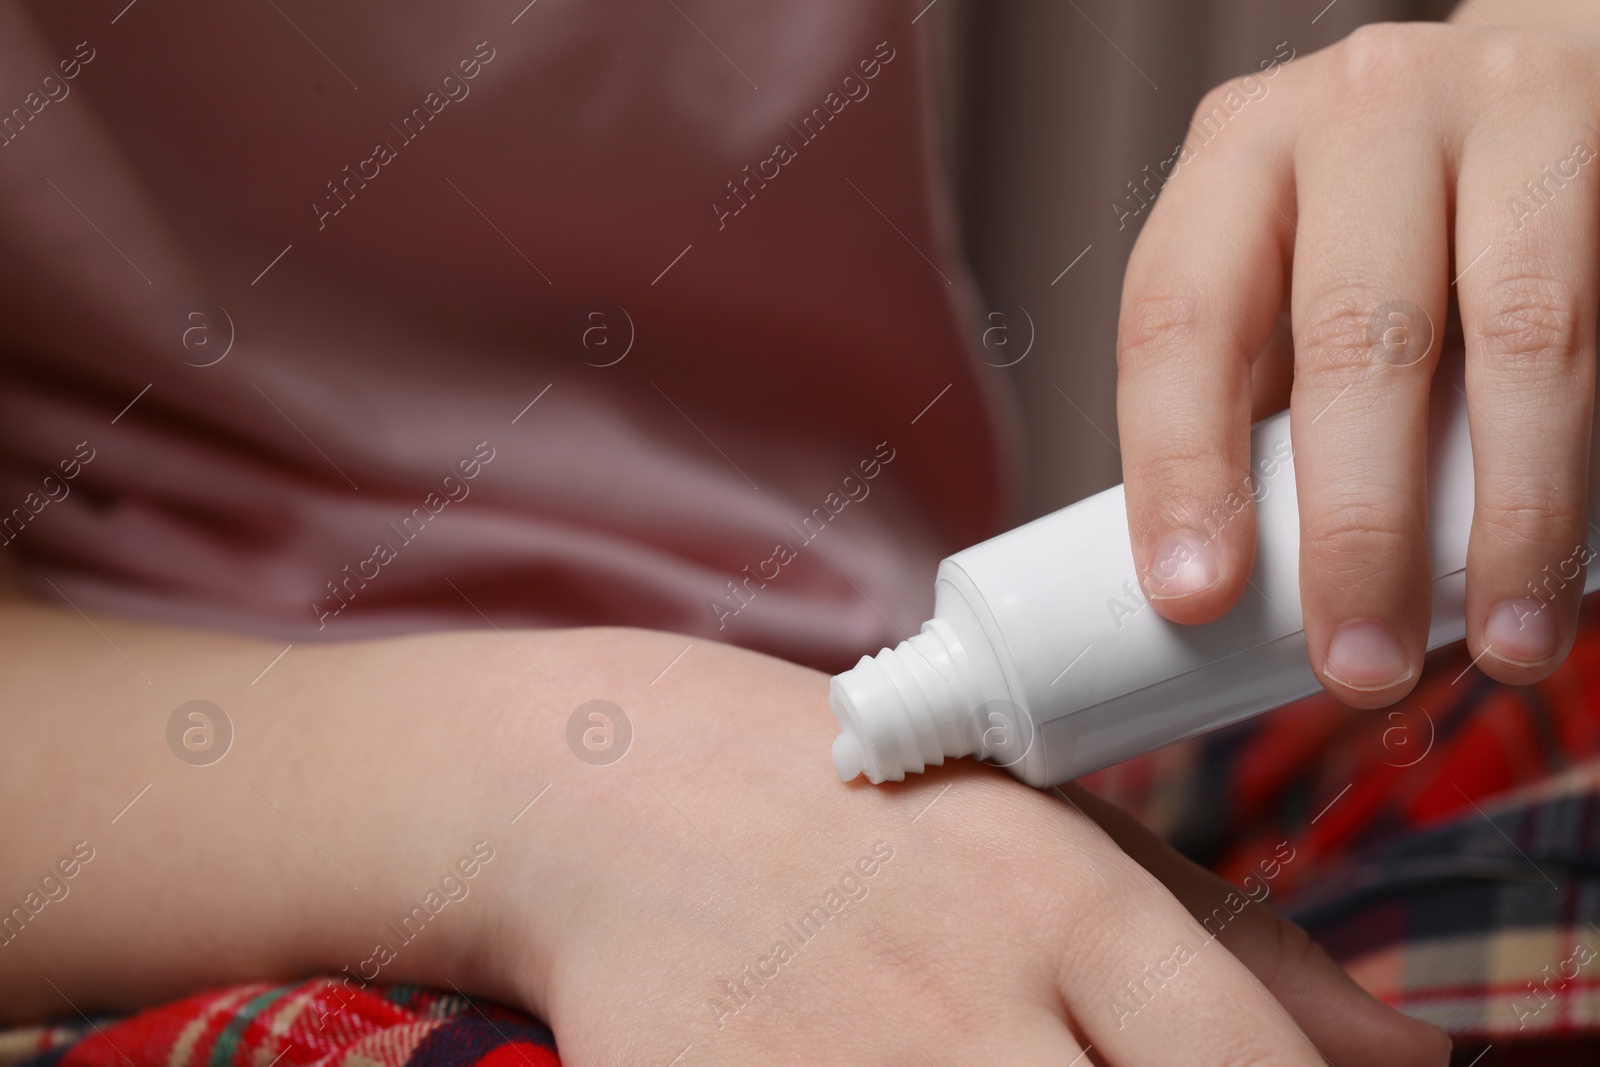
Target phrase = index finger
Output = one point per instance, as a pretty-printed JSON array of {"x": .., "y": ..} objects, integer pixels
[
  {"x": 1202, "y": 294},
  {"x": 1146, "y": 984}
]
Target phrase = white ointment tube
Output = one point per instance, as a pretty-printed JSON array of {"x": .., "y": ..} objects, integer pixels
[{"x": 1044, "y": 656}]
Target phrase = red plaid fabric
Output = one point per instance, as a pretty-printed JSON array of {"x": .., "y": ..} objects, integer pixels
[{"x": 318, "y": 1023}]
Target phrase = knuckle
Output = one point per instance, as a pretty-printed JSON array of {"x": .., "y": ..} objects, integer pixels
[
  {"x": 1048, "y": 866},
  {"x": 1052, "y": 868},
  {"x": 1377, "y": 57},
  {"x": 1191, "y": 487},
  {"x": 1094, "y": 919},
  {"x": 1213, "y": 103},
  {"x": 1338, "y": 339},
  {"x": 1154, "y": 326},
  {"x": 1505, "y": 64},
  {"x": 1521, "y": 516},
  {"x": 1532, "y": 319},
  {"x": 1217, "y": 108},
  {"x": 1095, "y": 925},
  {"x": 1502, "y": 62},
  {"x": 1358, "y": 541},
  {"x": 1230, "y": 505},
  {"x": 1174, "y": 466},
  {"x": 1221, "y": 107}
]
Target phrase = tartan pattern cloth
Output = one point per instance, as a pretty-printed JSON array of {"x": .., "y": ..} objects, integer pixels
[
  {"x": 1446, "y": 851},
  {"x": 317, "y": 1023},
  {"x": 1487, "y": 925}
]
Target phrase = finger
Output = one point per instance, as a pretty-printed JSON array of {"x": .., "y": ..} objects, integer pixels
[
  {"x": 1528, "y": 200},
  {"x": 1370, "y": 268},
  {"x": 1202, "y": 292},
  {"x": 1345, "y": 1022},
  {"x": 1145, "y": 984}
]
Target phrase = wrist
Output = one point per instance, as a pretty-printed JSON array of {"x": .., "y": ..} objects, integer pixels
[
  {"x": 420, "y": 757},
  {"x": 358, "y": 778},
  {"x": 610, "y": 841},
  {"x": 569, "y": 792},
  {"x": 512, "y": 800}
]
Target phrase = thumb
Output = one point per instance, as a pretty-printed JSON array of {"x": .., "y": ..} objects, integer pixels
[{"x": 1349, "y": 1026}]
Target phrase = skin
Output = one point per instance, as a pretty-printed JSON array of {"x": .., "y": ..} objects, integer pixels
[
  {"x": 1378, "y": 170},
  {"x": 1006, "y": 922},
  {"x": 998, "y": 929}
]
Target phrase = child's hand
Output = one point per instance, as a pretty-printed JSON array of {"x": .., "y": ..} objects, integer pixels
[
  {"x": 1358, "y": 191},
  {"x": 726, "y": 900},
  {"x": 659, "y": 901}
]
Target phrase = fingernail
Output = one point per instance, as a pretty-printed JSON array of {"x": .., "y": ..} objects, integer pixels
[
  {"x": 1364, "y": 655},
  {"x": 1522, "y": 630},
  {"x": 1184, "y": 564}
]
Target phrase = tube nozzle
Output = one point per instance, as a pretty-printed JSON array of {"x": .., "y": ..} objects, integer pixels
[{"x": 904, "y": 709}]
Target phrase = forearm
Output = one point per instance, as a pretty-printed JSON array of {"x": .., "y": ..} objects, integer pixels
[{"x": 358, "y": 775}]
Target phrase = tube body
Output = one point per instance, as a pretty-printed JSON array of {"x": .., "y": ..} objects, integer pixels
[{"x": 1045, "y": 657}]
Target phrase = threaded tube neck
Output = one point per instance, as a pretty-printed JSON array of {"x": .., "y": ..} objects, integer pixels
[{"x": 905, "y": 709}]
